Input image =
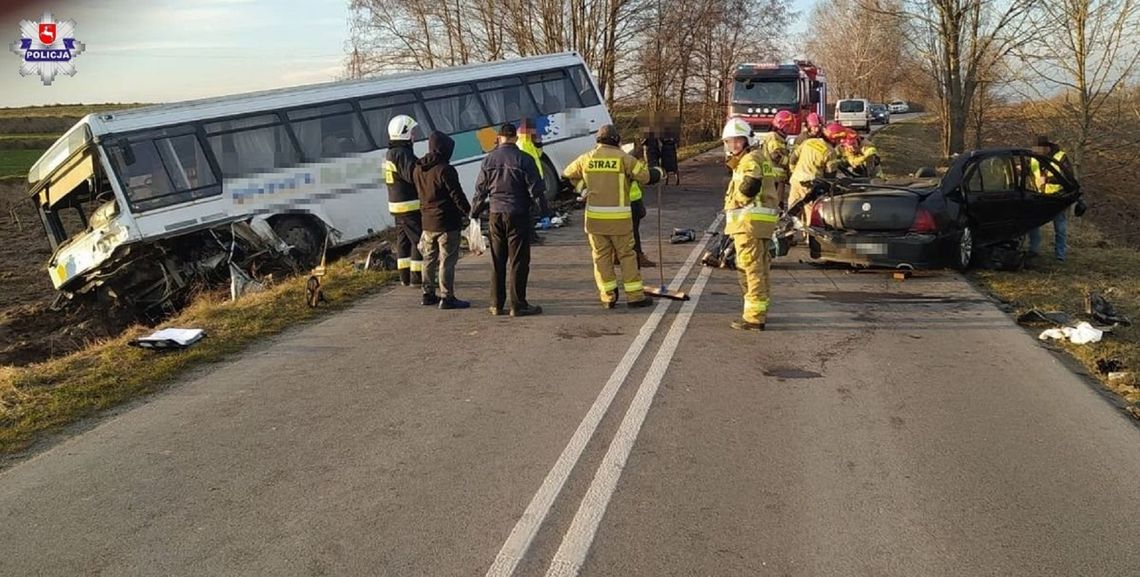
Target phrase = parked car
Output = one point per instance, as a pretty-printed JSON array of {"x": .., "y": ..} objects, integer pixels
[
  {"x": 854, "y": 113},
  {"x": 880, "y": 114},
  {"x": 899, "y": 107},
  {"x": 986, "y": 198}
]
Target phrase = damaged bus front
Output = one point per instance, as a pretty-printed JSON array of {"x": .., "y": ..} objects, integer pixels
[{"x": 80, "y": 187}]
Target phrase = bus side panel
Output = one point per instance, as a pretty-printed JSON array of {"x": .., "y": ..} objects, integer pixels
[{"x": 347, "y": 193}]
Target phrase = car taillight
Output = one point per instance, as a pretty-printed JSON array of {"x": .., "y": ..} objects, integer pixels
[
  {"x": 817, "y": 215},
  {"x": 923, "y": 222}
]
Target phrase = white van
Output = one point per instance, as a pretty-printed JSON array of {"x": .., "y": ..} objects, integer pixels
[{"x": 854, "y": 113}]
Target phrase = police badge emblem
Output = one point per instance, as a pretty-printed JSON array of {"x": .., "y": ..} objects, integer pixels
[{"x": 48, "y": 48}]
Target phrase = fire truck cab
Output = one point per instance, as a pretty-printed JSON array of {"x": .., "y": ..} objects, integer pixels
[{"x": 758, "y": 91}]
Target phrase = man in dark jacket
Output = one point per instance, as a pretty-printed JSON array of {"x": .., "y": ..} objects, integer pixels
[
  {"x": 444, "y": 208},
  {"x": 509, "y": 183},
  {"x": 403, "y": 200}
]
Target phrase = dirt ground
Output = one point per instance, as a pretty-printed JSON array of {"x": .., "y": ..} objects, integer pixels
[{"x": 29, "y": 330}]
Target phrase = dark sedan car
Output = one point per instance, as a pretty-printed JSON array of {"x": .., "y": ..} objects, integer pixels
[
  {"x": 986, "y": 198},
  {"x": 880, "y": 114}
]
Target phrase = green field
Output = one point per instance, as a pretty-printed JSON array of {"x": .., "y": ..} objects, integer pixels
[{"x": 17, "y": 162}]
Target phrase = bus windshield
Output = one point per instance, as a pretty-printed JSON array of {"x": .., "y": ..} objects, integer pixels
[{"x": 761, "y": 91}]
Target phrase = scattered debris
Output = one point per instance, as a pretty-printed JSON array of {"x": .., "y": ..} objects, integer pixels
[
  {"x": 1121, "y": 378},
  {"x": 241, "y": 283},
  {"x": 313, "y": 293},
  {"x": 722, "y": 254},
  {"x": 1082, "y": 334},
  {"x": 901, "y": 275},
  {"x": 559, "y": 220},
  {"x": 683, "y": 235},
  {"x": 1036, "y": 318},
  {"x": 1103, "y": 312},
  {"x": 169, "y": 339},
  {"x": 1107, "y": 366}
]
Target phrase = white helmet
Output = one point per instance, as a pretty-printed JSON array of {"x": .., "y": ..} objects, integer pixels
[
  {"x": 401, "y": 127},
  {"x": 737, "y": 127}
]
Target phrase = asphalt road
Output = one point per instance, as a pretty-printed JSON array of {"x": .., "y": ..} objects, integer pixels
[{"x": 877, "y": 428}]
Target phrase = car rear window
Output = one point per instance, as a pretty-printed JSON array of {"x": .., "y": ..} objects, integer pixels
[{"x": 851, "y": 106}]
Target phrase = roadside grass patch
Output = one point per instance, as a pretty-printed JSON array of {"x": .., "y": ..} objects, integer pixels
[
  {"x": 908, "y": 146},
  {"x": 44, "y": 397}
]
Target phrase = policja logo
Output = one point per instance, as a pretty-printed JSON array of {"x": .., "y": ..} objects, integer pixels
[{"x": 47, "y": 47}]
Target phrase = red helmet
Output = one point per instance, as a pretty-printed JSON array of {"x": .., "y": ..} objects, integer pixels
[
  {"x": 813, "y": 121},
  {"x": 784, "y": 121},
  {"x": 834, "y": 132}
]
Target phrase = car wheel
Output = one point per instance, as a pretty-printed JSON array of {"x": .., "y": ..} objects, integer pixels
[{"x": 964, "y": 253}]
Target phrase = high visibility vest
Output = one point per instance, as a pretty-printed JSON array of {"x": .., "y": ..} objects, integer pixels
[
  {"x": 635, "y": 193},
  {"x": 526, "y": 144},
  {"x": 608, "y": 174},
  {"x": 1040, "y": 177},
  {"x": 754, "y": 216}
]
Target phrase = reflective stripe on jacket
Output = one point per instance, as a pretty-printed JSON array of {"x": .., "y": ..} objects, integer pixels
[
  {"x": 757, "y": 215},
  {"x": 816, "y": 158},
  {"x": 608, "y": 174}
]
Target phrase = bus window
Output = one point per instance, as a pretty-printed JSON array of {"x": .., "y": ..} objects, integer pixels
[
  {"x": 553, "y": 92},
  {"x": 141, "y": 172},
  {"x": 162, "y": 170},
  {"x": 506, "y": 100},
  {"x": 378, "y": 111},
  {"x": 251, "y": 144},
  {"x": 329, "y": 130},
  {"x": 454, "y": 109},
  {"x": 581, "y": 79}
]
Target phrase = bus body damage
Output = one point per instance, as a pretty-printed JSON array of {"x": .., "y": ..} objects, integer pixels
[{"x": 95, "y": 254}]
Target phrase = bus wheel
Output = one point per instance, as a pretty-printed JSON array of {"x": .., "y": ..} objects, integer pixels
[
  {"x": 550, "y": 177},
  {"x": 304, "y": 235}
]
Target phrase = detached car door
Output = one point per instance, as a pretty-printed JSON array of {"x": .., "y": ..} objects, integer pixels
[
  {"x": 1043, "y": 203},
  {"x": 993, "y": 197}
]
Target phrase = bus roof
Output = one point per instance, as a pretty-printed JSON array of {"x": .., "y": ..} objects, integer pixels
[{"x": 193, "y": 110}]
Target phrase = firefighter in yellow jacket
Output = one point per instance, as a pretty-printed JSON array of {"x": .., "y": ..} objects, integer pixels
[
  {"x": 751, "y": 206},
  {"x": 817, "y": 158},
  {"x": 607, "y": 173}
]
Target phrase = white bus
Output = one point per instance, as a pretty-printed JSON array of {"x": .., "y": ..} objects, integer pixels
[{"x": 167, "y": 193}]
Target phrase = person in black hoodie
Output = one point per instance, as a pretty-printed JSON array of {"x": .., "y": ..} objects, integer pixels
[
  {"x": 403, "y": 201},
  {"x": 444, "y": 207}
]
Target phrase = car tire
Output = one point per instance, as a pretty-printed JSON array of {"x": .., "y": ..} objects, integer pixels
[
  {"x": 964, "y": 249},
  {"x": 304, "y": 236}
]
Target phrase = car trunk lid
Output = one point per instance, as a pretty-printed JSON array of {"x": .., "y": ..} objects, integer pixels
[{"x": 879, "y": 210}]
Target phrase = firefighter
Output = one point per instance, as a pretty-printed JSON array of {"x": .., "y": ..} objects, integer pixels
[
  {"x": 606, "y": 172},
  {"x": 861, "y": 158},
  {"x": 775, "y": 145},
  {"x": 403, "y": 200},
  {"x": 812, "y": 128},
  {"x": 750, "y": 208},
  {"x": 817, "y": 159}
]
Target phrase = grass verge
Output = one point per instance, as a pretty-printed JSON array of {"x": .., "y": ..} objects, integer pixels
[
  {"x": 40, "y": 398},
  {"x": 1093, "y": 264}
]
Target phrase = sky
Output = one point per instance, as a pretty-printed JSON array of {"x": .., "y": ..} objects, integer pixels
[{"x": 171, "y": 50}]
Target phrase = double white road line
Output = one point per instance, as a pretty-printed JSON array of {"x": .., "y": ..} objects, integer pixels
[{"x": 575, "y": 546}]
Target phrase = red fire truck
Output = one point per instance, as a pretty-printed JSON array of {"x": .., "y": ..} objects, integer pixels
[{"x": 758, "y": 91}]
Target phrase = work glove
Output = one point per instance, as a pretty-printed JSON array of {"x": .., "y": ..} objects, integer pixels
[{"x": 1080, "y": 208}]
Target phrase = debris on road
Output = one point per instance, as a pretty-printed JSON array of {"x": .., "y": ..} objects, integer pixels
[
  {"x": 1036, "y": 317},
  {"x": 683, "y": 235},
  {"x": 1082, "y": 334},
  {"x": 172, "y": 338}
]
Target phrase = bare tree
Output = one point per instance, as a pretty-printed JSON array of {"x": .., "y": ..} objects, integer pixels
[
  {"x": 861, "y": 50},
  {"x": 961, "y": 44},
  {"x": 1087, "y": 50}
]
